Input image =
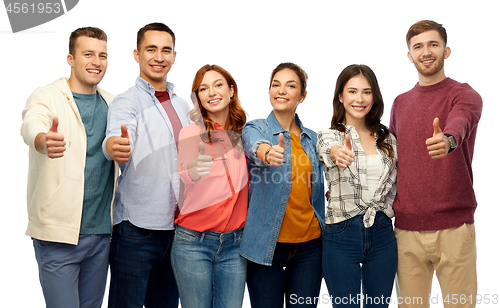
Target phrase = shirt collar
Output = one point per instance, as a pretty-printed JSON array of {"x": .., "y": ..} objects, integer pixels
[
  {"x": 146, "y": 86},
  {"x": 276, "y": 126}
]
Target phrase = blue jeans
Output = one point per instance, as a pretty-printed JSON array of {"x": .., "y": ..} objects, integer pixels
[
  {"x": 355, "y": 256},
  {"x": 295, "y": 274},
  {"x": 208, "y": 269},
  {"x": 73, "y": 275},
  {"x": 141, "y": 273}
]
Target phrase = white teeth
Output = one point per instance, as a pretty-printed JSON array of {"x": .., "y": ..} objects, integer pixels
[
  {"x": 214, "y": 101},
  {"x": 93, "y": 71}
]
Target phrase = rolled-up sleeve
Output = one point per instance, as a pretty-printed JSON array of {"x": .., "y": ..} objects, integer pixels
[{"x": 253, "y": 136}]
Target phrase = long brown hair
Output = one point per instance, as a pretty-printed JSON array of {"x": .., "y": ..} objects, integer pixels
[
  {"x": 372, "y": 119},
  {"x": 236, "y": 118}
]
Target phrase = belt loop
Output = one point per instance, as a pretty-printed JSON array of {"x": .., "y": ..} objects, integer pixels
[{"x": 202, "y": 237}]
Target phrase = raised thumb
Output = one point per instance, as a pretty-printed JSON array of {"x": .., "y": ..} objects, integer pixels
[
  {"x": 435, "y": 124},
  {"x": 124, "y": 131},
  {"x": 55, "y": 123},
  {"x": 281, "y": 139},
  {"x": 202, "y": 148},
  {"x": 348, "y": 142}
]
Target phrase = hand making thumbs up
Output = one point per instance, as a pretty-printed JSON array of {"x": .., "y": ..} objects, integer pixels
[
  {"x": 121, "y": 146},
  {"x": 54, "y": 144},
  {"x": 343, "y": 156},
  {"x": 202, "y": 165},
  {"x": 438, "y": 145},
  {"x": 274, "y": 156}
]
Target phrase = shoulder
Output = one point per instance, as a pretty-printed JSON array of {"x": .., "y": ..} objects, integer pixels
[
  {"x": 257, "y": 123},
  {"x": 464, "y": 89},
  {"x": 108, "y": 97}
]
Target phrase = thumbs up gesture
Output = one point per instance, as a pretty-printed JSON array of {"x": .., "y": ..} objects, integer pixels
[
  {"x": 274, "y": 157},
  {"x": 202, "y": 165},
  {"x": 438, "y": 145},
  {"x": 343, "y": 156},
  {"x": 121, "y": 146},
  {"x": 54, "y": 141}
]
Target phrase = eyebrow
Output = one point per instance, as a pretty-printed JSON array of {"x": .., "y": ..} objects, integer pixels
[
  {"x": 294, "y": 81},
  {"x": 217, "y": 80},
  {"x": 354, "y": 88}
]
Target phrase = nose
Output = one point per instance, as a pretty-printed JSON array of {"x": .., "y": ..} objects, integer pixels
[
  {"x": 211, "y": 91},
  {"x": 96, "y": 60},
  {"x": 158, "y": 56},
  {"x": 426, "y": 50},
  {"x": 282, "y": 89}
]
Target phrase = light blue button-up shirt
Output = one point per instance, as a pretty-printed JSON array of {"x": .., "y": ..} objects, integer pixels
[
  {"x": 270, "y": 187},
  {"x": 148, "y": 186}
]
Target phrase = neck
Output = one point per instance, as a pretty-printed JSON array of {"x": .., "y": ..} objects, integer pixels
[
  {"x": 219, "y": 117},
  {"x": 159, "y": 85},
  {"x": 80, "y": 88},
  {"x": 359, "y": 124},
  {"x": 430, "y": 80},
  {"x": 286, "y": 120}
]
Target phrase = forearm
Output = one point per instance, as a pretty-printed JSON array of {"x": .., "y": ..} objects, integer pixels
[
  {"x": 261, "y": 152},
  {"x": 40, "y": 143}
]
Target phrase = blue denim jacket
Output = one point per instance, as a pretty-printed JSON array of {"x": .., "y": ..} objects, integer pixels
[{"x": 270, "y": 187}]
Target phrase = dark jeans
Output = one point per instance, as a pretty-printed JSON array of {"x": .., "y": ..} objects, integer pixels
[
  {"x": 141, "y": 273},
  {"x": 355, "y": 256},
  {"x": 295, "y": 274}
]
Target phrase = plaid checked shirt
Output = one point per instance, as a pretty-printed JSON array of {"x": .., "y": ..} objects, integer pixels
[{"x": 349, "y": 195}]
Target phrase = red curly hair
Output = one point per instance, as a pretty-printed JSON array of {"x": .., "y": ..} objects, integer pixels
[{"x": 236, "y": 118}]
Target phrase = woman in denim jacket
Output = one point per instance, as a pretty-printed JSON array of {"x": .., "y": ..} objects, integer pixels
[{"x": 282, "y": 235}]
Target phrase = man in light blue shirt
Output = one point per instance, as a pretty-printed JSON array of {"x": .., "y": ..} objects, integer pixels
[{"x": 143, "y": 127}]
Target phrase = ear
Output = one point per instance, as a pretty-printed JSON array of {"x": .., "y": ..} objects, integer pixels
[
  {"x": 70, "y": 60},
  {"x": 231, "y": 91},
  {"x": 410, "y": 57},
  {"x": 341, "y": 98},
  {"x": 173, "y": 56},
  {"x": 136, "y": 55},
  {"x": 447, "y": 52},
  {"x": 303, "y": 97}
]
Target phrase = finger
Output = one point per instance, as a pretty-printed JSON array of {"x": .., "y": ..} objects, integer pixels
[
  {"x": 435, "y": 124},
  {"x": 124, "y": 131},
  {"x": 202, "y": 148},
  {"x": 281, "y": 139},
  {"x": 348, "y": 142},
  {"x": 55, "y": 123}
]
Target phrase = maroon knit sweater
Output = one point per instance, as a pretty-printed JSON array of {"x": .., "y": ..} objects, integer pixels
[{"x": 435, "y": 194}]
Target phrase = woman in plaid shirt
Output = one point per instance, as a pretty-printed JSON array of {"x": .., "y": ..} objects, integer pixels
[{"x": 359, "y": 157}]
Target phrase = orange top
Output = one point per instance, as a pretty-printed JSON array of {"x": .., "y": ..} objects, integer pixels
[
  {"x": 299, "y": 223},
  {"x": 219, "y": 201}
]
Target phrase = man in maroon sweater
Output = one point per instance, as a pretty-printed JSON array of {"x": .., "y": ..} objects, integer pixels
[{"x": 435, "y": 124}]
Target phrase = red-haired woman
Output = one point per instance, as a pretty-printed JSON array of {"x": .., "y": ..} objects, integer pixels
[{"x": 208, "y": 268}]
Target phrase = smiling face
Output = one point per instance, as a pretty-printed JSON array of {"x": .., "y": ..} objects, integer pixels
[
  {"x": 215, "y": 96},
  {"x": 88, "y": 64},
  {"x": 285, "y": 91},
  {"x": 427, "y": 52},
  {"x": 155, "y": 56},
  {"x": 357, "y": 98}
]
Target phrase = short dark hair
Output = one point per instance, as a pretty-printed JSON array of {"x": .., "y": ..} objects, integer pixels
[
  {"x": 155, "y": 26},
  {"x": 423, "y": 26},
  {"x": 91, "y": 32}
]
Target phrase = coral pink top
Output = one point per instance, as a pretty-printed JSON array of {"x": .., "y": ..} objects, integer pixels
[{"x": 217, "y": 202}]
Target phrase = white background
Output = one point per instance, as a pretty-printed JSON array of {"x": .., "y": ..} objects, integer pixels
[{"x": 249, "y": 38}]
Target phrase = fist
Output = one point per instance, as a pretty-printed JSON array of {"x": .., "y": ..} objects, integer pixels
[
  {"x": 54, "y": 141},
  {"x": 344, "y": 156},
  {"x": 121, "y": 146}
]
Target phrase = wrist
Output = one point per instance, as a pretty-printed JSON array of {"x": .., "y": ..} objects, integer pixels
[
  {"x": 451, "y": 142},
  {"x": 266, "y": 154}
]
